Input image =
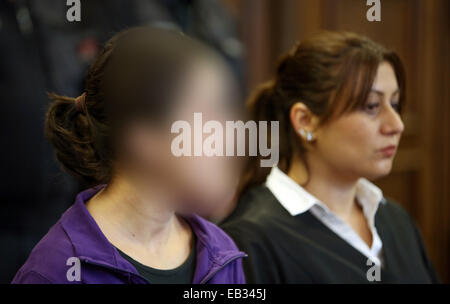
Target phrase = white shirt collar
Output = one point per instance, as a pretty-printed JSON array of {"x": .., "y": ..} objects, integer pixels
[{"x": 296, "y": 200}]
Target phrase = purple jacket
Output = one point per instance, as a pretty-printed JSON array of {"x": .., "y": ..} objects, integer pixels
[{"x": 77, "y": 241}]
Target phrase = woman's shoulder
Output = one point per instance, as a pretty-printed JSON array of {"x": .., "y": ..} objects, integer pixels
[
  {"x": 47, "y": 262},
  {"x": 255, "y": 214},
  {"x": 393, "y": 218},
  {"x": 392, "y": 210},
  {"x": 256, "y": 204}
]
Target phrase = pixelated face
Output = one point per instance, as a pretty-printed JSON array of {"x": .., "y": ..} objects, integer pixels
[{"x": 206, "y": 89}]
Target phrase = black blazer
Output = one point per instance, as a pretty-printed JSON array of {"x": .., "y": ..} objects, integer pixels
[{"x": 300, "y": 249}]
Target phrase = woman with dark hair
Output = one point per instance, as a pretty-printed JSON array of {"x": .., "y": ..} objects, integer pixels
[
  {"x": 316, "y": 217},
  {"x": 137, "y": 223}
]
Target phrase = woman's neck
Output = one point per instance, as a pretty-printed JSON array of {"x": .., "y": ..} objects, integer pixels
[
  {"x": 139, "y": 220},
  {"x": 335, "y": 189}
]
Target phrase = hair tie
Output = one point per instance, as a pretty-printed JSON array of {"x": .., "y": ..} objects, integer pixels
[{"x": 80, "y": 103}]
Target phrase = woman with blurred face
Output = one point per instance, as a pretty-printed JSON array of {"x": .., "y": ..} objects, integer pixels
[
  {"x": 137, "y": 224},
  {"x": 316, "y": 217}
]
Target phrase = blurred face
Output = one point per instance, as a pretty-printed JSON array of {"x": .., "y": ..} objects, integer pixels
[
  {"x": 363, "y": 143},
  {"x": 207, "y": 88},
  {"x": 211, "y": 179}
]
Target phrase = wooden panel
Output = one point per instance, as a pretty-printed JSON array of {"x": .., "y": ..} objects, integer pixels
[
  {"x": 418, "y": 30},
  {"x": 433, "y": 66}
]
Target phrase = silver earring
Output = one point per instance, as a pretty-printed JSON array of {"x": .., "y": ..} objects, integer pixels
[{"x": 308, "y": 134}]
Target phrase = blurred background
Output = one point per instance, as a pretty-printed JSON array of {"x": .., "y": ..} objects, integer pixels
[{"x": 41, "y": 51}]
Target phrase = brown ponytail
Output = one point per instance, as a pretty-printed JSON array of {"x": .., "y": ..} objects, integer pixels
[
  {"x": 78, "y": 137},
  {"x": 69, "y": 132},
  {"x": 331, "y": 73}
]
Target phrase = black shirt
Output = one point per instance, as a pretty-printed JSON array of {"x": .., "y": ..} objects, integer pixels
[
  {"x": 183, "y": 274},
  {"x": 283, "y": 248}
]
